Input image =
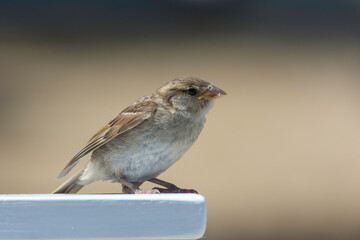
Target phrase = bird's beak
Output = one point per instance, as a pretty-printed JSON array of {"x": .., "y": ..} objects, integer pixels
[{"x": 212, "y": 93}]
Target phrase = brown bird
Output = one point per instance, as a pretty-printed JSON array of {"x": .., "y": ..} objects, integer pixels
[{"x": 146, "y": 138}]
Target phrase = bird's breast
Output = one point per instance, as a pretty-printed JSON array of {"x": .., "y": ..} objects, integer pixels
[{"x": 149, "y": 149}]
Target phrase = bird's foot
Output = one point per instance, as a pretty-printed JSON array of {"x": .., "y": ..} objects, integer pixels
[
  {"x": 175, "y": 190},
  {"x": 152, "y": 191}
]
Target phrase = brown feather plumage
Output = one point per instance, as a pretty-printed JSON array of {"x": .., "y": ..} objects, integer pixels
[
  {"x": 138, "y": 112},
  {"x": 159, "y": 129}
]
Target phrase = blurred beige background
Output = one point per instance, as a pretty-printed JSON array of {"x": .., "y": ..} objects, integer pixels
[{"x": 278, "y": 157}]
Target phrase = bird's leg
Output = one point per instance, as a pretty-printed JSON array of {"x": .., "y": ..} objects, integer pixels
[
  {"x": 170, "y": 188},
  {"x": 133, "y": 188},
  {"x": 126, "y": 189}
]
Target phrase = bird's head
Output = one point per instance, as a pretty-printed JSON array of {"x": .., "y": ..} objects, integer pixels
[{"x": 191, "y": 94}]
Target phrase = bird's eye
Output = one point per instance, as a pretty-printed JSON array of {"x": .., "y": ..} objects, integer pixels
[{"x": 191, "y": 91}]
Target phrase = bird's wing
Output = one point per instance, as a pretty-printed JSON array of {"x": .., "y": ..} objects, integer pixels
[{"x": 126, "y": 120}]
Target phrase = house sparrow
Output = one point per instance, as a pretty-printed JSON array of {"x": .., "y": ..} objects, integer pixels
[{"x": 146, "y": 138}]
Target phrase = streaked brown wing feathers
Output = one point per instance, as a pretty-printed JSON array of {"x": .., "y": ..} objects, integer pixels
[{"x": 126, "y": 120}]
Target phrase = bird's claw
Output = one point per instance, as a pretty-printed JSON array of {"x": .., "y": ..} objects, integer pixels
[
  {"x": 175, "y": 190},
  {"x": 152, "y": 191}
]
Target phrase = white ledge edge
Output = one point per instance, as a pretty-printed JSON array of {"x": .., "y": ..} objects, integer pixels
[{"x": 102, "y": 216}]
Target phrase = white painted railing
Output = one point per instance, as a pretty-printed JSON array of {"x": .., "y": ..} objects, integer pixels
[{"x": 102, "y": 216}]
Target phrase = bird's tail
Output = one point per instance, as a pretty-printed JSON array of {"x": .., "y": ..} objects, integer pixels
[{"x": 71, "y": 185}]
